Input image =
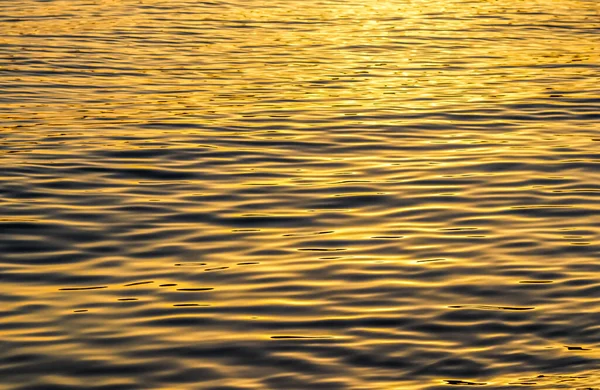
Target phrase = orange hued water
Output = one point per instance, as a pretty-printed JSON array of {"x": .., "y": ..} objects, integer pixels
[{"x": 299, "y": 195}]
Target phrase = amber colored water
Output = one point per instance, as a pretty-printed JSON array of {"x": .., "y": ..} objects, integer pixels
[{"x": 340, "y": 195}]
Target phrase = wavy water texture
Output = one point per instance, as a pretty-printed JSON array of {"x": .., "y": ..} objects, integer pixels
[{"x": 340, "y": 195}]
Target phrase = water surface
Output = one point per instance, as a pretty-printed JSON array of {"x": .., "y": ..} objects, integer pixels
[{"x": 340, "y": 195}]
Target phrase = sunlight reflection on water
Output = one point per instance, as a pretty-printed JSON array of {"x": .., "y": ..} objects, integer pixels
[{"x": 290, "y": 195}]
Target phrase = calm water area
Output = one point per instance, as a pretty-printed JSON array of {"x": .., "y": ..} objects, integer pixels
[{"x": 299, "y": 194}]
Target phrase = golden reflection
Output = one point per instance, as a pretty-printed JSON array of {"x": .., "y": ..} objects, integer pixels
[{"x": 292, "y": 195}]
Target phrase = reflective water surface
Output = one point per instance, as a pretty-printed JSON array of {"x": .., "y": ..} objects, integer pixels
[{"x": 352, "y": 195}]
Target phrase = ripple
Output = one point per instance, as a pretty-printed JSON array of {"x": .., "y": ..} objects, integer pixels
[
  {"x": 326, "y": 194},
  {"x": 82, "y": 288}
]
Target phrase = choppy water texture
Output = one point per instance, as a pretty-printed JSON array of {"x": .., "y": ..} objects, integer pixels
[{"x": 350, "y": 195}]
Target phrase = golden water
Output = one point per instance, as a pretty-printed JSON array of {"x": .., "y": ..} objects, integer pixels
[{"x": 351, "y": 195}]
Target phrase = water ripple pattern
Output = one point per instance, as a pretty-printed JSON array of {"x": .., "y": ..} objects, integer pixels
[{"x": 315, "y": 194}]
